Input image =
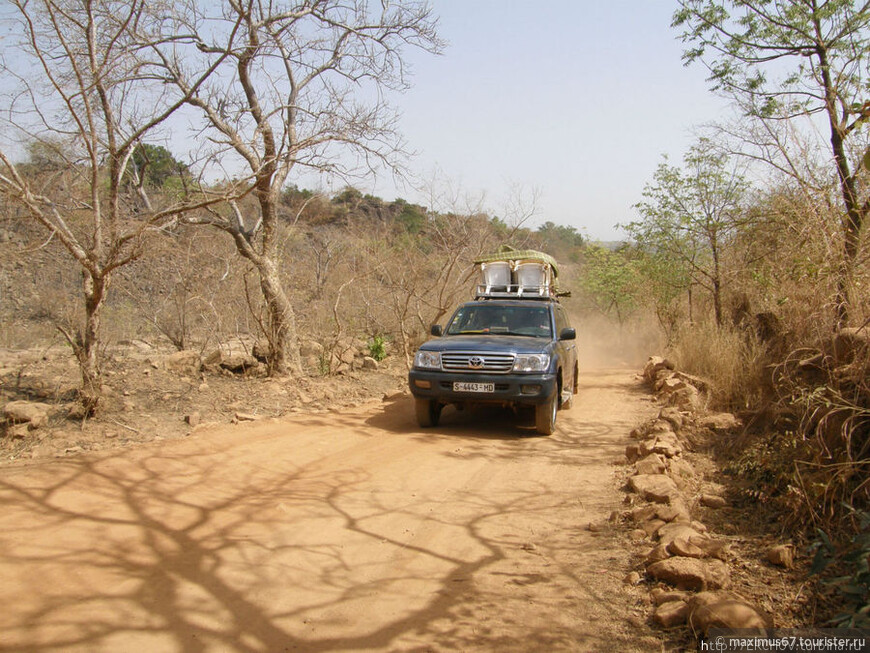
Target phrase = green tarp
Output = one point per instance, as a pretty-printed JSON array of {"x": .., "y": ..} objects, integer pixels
[{"x": 508, "y": 253}]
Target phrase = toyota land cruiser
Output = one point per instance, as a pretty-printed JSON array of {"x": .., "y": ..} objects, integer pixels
[{"x": 514, "y": 352}]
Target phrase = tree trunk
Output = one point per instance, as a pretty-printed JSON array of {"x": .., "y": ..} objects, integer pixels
[
  {"x": 854, "y": 213},
  {"x": 282, "y": 334},
  {"x": 86, "y": 344}
]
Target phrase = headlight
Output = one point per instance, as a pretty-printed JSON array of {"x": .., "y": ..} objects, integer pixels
[
  {"x": 532, "y": 363},
  {"x": 428, "y": 360}
]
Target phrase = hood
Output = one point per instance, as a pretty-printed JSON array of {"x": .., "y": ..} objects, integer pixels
[{"x": 483, "y": 343}]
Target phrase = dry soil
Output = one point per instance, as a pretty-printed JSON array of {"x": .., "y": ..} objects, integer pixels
[{"x": 346, "y": 530}]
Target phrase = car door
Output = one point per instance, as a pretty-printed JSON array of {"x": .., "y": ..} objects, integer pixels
[{"x": 567, "y": 349}]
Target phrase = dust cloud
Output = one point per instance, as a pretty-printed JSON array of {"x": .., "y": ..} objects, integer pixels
[{"x": 604, "y": 343}]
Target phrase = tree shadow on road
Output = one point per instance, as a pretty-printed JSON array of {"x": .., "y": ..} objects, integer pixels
[{"x": 172, "y": 548}]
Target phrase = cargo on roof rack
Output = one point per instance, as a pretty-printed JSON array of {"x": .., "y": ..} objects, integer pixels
[{"x": 517, "y": 274}]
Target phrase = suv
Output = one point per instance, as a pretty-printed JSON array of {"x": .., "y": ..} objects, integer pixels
[{"x": 514, "y": 352}]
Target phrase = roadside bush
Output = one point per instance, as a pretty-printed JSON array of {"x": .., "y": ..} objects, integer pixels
[
  {"x": 377, "y": 348},
  {"x": 732, "y": 360}
]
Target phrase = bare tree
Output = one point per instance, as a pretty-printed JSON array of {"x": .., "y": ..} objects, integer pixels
[
  {"x": 83, "y": 97},
  {"x": 298, "y": 85}
]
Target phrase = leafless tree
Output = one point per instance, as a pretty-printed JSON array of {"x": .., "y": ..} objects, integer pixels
[
  {"x": 79, "y": 92},
  {"x": 297, "y": 85}
]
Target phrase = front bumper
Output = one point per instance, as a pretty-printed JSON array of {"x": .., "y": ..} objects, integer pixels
[{"x": 528, "y": 389}]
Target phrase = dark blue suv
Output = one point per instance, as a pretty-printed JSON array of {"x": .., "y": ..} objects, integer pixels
[{"x": 514, "y": 352}]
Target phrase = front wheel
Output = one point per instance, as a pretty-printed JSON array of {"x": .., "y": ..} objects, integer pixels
[
  {"x": 428, "y": 412},
  {"x": 545, "y": 415}
]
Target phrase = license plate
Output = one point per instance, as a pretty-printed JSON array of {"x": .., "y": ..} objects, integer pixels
[{"x": 464, "y": 386}]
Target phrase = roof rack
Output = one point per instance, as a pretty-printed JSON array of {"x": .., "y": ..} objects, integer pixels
[{"x": 517, "y": 274}]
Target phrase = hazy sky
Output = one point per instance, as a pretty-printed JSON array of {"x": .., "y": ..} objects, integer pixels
[{"x": 577, "y": 98}]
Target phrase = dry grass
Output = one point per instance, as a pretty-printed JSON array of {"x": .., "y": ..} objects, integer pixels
[{"x": 733, "y": 361}]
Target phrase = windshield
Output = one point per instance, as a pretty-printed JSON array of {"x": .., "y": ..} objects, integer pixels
[{"x": 533, "y": 321}]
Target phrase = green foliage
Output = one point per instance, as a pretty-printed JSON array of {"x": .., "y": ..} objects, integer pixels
[
  {"x": 611, "y": 280},
  {"x": 785, "y": 60},
  {"x": 739, "y": 40},
  {"x": 292, "y": 193},
  {"x": 689, "y": 215},
  {"x": 159, "y": 167},
  {"x": 562, "y": 242},
  {"x": 377, "y": 348},
  {"x": 411, "y": 216},
  {"x": 852, "y": 563}
]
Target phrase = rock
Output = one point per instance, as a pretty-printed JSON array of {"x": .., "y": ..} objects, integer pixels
[
  {"x": 193, "y": 419},
  {"x": 369, "y": 363},
  {"x": 614, "y": 516},
  {"x": 637, "y": 535},
  {"x": 727, "y": 613},
  {"x": 781, "y": 555},
  {"x": 651, "y": 464},
  {"x": 682, "y": 546},
  {"x": 652, "y": 526},
  {"x": 687, "y": 399},
  {"x": 720, "y": 422},
  {"x": 672, "y": 613},
  {"x": 654, "y": 487},
  {"x": 261, "y": 350},
  {"x": 396, "y": 396},
  {"x": 712, "y": 501},
  {"x": 310, "y": 348},
  {"x": 667, "y": 445},
  {"x": 632, "y": 453},
  {"x": 712, "y": 547},
  {"x": 657, "y": 554},
  {"x": 18, "y": 431},
  {"x": 238, "y": 363},
  {"x": 659, "y": 426},
  {"x": 691, "y": 573},
  {"x": 673, "y": 417},
  {"x": 681, "y": 469},
  {"x": 645, "y": 448},
  {"x": 654, "y": 365},
  {"x": 660, "y": 595},
  {"x": 675, "y": 512},
  {"x": 670, "y": 532},
  {"x": 247, "y": 417},
  {"x": 183, "y": 362},
  {"x": 670, "y": 385},
  {"x": 31, "y": 412},
  {"x": 643, "y": 513},
  {"x": 632, "y": 578}
]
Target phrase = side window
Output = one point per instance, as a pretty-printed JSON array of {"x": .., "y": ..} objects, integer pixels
[{"x": 561, "y": 319}]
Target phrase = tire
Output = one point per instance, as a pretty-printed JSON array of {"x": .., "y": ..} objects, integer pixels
[
  {"x": 545, "y": 415},
  {"x": 428, "y": 412}
]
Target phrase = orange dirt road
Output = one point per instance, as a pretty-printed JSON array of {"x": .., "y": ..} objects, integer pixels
[{"x": 352, "y": 531}]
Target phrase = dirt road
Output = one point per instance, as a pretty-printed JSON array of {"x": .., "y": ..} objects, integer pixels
[{"x": 355, "y": 531}]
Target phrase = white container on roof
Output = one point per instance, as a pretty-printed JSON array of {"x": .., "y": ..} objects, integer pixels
[{"x": 517, "y": 274}]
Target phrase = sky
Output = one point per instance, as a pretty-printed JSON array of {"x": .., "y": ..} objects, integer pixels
[{"x": 573, "y": 100}]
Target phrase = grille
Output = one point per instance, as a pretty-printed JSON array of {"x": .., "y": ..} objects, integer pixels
[{"x": 492, "y": 362}]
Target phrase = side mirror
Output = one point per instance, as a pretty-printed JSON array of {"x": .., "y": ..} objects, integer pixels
[
  {"x": 436, "y": 330},
  {"x": 568, "y": 333}
]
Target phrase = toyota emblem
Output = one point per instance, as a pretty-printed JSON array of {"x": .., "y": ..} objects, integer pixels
[{"x": 476, "y": 362}]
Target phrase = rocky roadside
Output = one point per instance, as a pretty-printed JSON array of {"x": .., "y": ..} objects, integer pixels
[
  {"x": 685, "y": 566},
  {"x": 152, "y": 393}
]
